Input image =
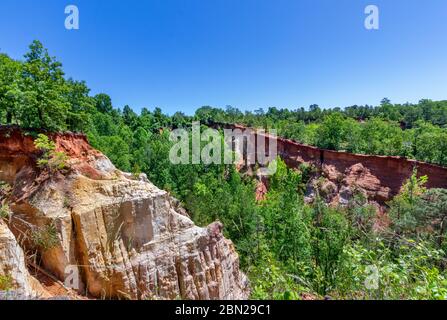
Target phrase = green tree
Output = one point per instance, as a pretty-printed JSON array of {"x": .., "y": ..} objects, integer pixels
[
  {"x": 81, "y": 106},
  {"x": 130, "y": 118},
  {"x": 103, "y": 103},
  {"x": 330, "y": 235},
  {"x": 43, "y": 90},
  {"x": 331, "y": 133},
  {"x": 10, "y": 94}
]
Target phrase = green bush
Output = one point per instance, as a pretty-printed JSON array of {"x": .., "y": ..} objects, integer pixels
[
  {"x": 5, "y": 211},
  {"x": 5, "y": 189},
  {"x": 46, "y": 237},
  {"x": 50, "y": 159},
  {"x": 6, "y": 282},
  {"x": 411, "y": 274},
  {"x": 270, "y": 281}
]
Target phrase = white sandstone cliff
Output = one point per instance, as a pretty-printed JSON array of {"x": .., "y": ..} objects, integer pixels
[{"x": 123, "y": 236}]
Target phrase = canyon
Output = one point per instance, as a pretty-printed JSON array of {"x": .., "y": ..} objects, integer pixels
[
  {"x": 119, "y": 235},
  {"x": 339, "y": 175}
]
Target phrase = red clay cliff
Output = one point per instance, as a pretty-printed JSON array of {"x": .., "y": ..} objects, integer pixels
[{"x": 381, "y": 177}]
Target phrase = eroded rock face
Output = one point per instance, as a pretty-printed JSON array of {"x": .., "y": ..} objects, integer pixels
[
  {"x": 136, "y": 245},
  {"x": 379, "y": 178},
  {"x": 13, "y": 271},
  {"x": 123, "y": 236},
  {"x": 339, "y": 188}
]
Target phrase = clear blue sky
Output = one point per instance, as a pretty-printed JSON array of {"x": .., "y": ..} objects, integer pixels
[{"x": 182, "y": 54}]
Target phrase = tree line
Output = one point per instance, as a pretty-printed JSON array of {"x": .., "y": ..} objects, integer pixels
[{"x": 287, "y": 247}]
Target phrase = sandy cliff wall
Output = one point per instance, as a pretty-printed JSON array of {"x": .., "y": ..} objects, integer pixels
[
  {"x": 381, "y": 176},
  {"x": 123, "y": 236}
]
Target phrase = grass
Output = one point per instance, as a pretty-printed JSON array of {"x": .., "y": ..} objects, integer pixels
[
  {"x": 4, "y": 211},
  {"x": 45, "y": 237},
  {"x": 6, "y": 282}
]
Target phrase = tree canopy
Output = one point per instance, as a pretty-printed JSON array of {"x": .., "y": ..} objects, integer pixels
[{"x": 286, "y": 246}]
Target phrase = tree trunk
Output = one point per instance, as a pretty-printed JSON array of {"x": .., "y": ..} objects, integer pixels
[{"x": 8, "y": 117}]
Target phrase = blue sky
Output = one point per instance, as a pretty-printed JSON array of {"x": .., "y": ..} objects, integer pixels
[{"x": 183, "y": 54}]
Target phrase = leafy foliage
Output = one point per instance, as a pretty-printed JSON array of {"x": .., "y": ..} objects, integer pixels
[
  {"x": 5, "y": 211},
  {"x": 5, "y": 192},
  {"x": 6, "y": 282},
  {"x": 45, "y": 237},
  {"x": 287, "y": 247},
  {"x": 51, "y": 159}
]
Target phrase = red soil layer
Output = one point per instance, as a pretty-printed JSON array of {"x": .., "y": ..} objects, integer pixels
[
  {"x": 14, "y": 141},
  {"x": 392, "y": 172},
  {"x": 17, "y": 150}
]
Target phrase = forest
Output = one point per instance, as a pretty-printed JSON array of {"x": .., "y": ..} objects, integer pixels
[{"x": 289, "y": 249}]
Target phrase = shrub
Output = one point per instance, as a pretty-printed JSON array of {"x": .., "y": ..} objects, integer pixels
[
  {"x": 136, "y": 171},
  {"x": 67, "y": 203},
  {"x": 409, "y": 274},
  {"x": 5, "y": 211},
  {"x": 330, "y": 234},
  {"x": 5, "y": 190},
  {"x": 58, "y": 161},
  {"x": 269, "y": 280},
  {"x": 6, "y": 282},
  {"x": 45, "y": 237},
  {"x": 51, "y": 159},
  {"x": 44, "y": 144}
]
